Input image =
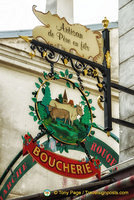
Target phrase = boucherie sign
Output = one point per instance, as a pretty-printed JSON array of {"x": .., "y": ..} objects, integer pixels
[
  {"x": 59, "y": 33},
  {"x": 60, "y": 164}
]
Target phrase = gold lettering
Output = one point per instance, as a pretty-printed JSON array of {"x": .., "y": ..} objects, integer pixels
[
  {"x": 73, "y": 170},
  {"x": 36, "y": 151},
  {"x": 57, "y": 165},
  {"x": 49, "y": 162},
  {"x": 43, "y": 159},
  {"x": 83, "y": 166},
  {"x": 79, "y": 169},
  {"x": 88, "y": 168},
  {"x": 71, "y": 192},
  {"x": 66, "y": 167}
]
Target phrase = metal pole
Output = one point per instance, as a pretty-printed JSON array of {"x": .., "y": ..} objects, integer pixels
[
  {"x": 18, "y": 156},
  {"x": 122, "y": 88},
  {"x": 107, "y": 78}
]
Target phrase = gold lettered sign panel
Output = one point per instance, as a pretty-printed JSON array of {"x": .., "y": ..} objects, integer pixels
[{"x": 59, "y": 33}]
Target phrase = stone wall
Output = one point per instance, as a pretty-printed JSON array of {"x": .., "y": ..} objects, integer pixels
[{"x": 126, "y": 43}]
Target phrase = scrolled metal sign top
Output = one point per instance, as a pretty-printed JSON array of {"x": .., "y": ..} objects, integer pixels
[{"x": 70, "y": 37}]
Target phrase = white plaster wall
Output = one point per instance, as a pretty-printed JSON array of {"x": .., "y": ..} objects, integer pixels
[{"x": 15, "y": 97}]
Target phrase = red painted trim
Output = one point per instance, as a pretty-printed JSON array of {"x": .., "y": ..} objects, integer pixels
[{"x": 62, "y": 165}]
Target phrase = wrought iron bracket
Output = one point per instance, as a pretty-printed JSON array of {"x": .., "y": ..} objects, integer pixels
[
  {"x": 88, "y": 68},
  {"x": 81, "y": 66}
]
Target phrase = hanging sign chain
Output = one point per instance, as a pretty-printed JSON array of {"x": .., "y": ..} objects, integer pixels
[{"x": 86, "y": 151}]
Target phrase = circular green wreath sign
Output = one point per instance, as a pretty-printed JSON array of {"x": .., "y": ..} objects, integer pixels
[{"x": 64, "y": 110}]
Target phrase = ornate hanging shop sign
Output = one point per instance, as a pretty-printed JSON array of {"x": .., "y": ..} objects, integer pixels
[
  {"x": 65, "y": 113},
  {"x": 67, "y": 116},
  {"x": 60, "y": 164},
  {"x": 59, "y": 33}
]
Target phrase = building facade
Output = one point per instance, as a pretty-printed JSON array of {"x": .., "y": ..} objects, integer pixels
[{"x": 126, "y": 76}]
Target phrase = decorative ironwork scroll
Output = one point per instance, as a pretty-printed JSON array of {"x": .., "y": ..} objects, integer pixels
[{"x": 80, "y": 65}]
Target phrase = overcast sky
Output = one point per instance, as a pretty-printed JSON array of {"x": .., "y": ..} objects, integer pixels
[
  {"x": 94, "y": 11},
  {"x": 18, "y": 15}
]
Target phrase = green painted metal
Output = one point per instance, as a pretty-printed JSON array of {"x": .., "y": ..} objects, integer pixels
[
  {"x": 18, "y": 173},
  {"x": 10, "y": 166},
  {"x": 112, "y": 135},
  {"x": 20, "y": 153},
  {"x": 91, "y": 146},
  {"x": 27, "y": 163}
]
